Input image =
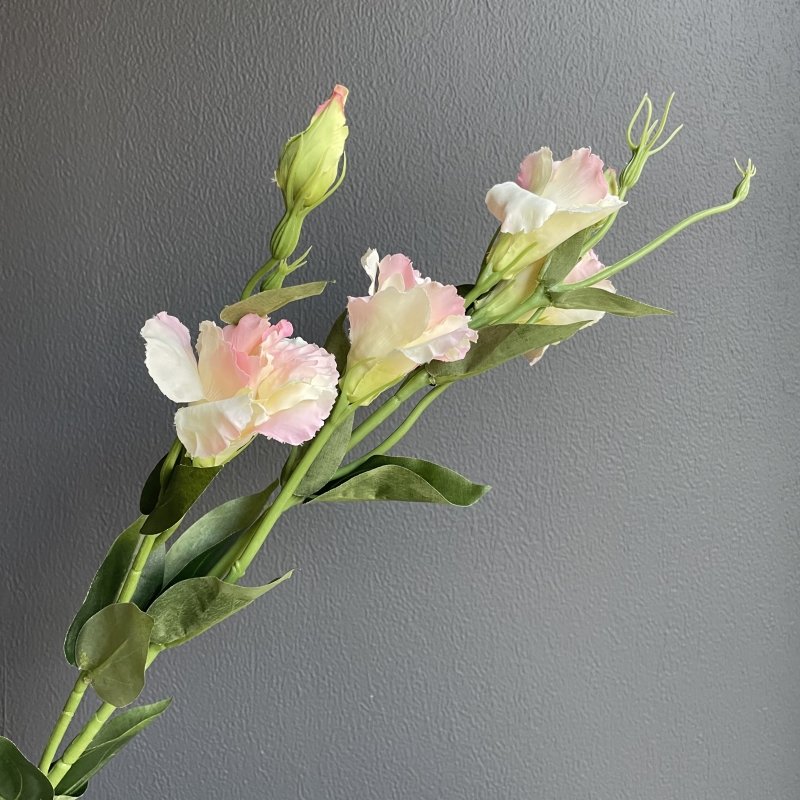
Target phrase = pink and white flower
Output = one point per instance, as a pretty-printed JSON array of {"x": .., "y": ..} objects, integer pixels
[
  {"x": 406, "y": 320},
  {"x": 549, "y": 202},
  {"x": 248, "y": 379}
]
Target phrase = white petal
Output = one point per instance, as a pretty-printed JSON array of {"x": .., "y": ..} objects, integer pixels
[
  {"x": 170, "y": 360},
  {"x": 208, "y": 429},
  {"x": 370, "y": 261},
  {"x": 518, "y": 210}
]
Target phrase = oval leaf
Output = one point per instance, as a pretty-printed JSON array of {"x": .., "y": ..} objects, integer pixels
[
  {"x": 19, "y": 779},
  {"x": 185, "y": 486},
  {"x": 110, "y": 739},
  {"x": 112, "y": 650},
  {"x": 106, "y": 583},
  {"x": 152, "y": 578},
  {"x": 497, "y": 344},
  {"x": 191, "y": 607},
  {"x": 594, "y": 299},
  {"x": 270, "y": 300},
  {"x": 405, "y": 479},
  {"x": 212, "y": 528}
]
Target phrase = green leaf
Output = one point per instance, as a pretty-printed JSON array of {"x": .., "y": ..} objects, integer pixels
[
  {"x": 110, "y": 739},
  {"x": 407, "y": 479},
  {"x": 152, "y": 578},
  {"x": 497, "y": 344},
  {"x": 185, "y": 486},
  {"x": 270, "y": 300},
  {"x": 106, "y": 583},
  {"x": 112, "y": 650},
  {"x": 327, "y": 461},
  {"x": 19, "y": 779},
  {"x": 191, "y": 607},
  {"x": 563, "y": 259},
  {"x": 337, "y": 342},
  {"x": 211, "y": 529},
  {"x": 151, "y": 489},
  {"x": 594, "y": 299}
]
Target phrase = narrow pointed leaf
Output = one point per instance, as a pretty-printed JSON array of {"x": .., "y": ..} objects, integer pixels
[
  {"x": 19, "y": 779},
  {"x": 212, "y": 528},
  {"x": 337, "y": 342},
  {"x": 110, "y": 739},
  {"x": 563, "y": 259},
  {"x": 405, "y": 479},
  {"x": 106, "y": 583},
  {"x": 191, "y": 607},
  {"x": 112, "y": 650},
  {"x": 327, "y": 461},
  {"x": 185, "y": 486},
  {"x": 594, "y": 299},
  {"x": 497, "y": 344},
  {"x": 270, "y": 300},
  {"x": 151, "y": 489}
]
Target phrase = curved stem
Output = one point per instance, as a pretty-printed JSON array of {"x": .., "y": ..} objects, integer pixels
[
  {"x": 257, "y": 278},
  {"x": 63, "y": 722},
  {"x": 648, "y": 248},
  {"x": 135, "y": 572},
  {"x": 390, "y": 441}
]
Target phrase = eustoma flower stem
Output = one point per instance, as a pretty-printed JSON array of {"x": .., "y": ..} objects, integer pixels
[
  {"x": 738, "y": 196},
  {"x": 286, "y": 497},
  {"x": 63, "y": 722}
]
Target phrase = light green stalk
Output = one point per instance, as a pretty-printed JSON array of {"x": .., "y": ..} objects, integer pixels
[{"x": 63, "y": 722}]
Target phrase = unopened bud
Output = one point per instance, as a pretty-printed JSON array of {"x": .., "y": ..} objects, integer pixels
[{"x": 308, "y": 170}]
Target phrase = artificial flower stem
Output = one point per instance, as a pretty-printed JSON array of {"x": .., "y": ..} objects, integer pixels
[
  {"x": 418, "y": 380},
  {"x": 387, "y": 444},
  {"x": 739, "y": 195},
  {"x": 80, "y": 743},
  {"x": 257, "y": 278},
  {"x": 63, "y": 722},
  {"x": 286, "y": 498}
]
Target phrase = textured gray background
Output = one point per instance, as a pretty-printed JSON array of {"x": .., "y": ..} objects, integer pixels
[{"x": 618, "y": 618}]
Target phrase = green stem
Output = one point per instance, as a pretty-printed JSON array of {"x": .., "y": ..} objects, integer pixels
[
  {"x": 648, "y": 248},
  {"x": 286, "y": 498},
  {"x": 63, "y": 722},
  {"x": 80, "y": 743},
  {"x": 135, "y": 572},
  {"x": 415, "y": 382},
  {"x": 257, "y": 278},
  {"x": 388, "y": 443}
]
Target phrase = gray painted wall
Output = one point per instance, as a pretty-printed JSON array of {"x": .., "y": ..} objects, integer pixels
[{"x": 618, "y": 618}]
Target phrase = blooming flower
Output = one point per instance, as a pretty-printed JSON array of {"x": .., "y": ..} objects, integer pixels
[
  {"x": 549, "y": 202},
  {"x": 406, "y": 320},
  {"x": 248, "y": 378}
]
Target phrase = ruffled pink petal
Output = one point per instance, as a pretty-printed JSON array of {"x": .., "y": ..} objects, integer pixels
[
  {"x": 297, "y": 391},
  {"x": 170, "y": 360},
  {"x": 535, "y": 170},
  {"x": 577, "y": 180},
  {"x": 588, "y": 266},
  {"x": 209, "y": 429},
  {"x": 400, "y": 266},
  {"x": 220, "y": 374}
]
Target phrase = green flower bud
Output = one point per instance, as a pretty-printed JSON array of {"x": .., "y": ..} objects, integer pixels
[{"x": 308, "y": 170}]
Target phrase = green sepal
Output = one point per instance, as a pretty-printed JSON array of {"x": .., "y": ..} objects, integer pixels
[
  {"x": 19, "y": 779},
  {"x": 151, "y": 489},
  {"x": 110, "y": 739},
  {"x": 594, "y": 299},
  {"x": 185, "y": 486},
  {"x": 497, "y": 344},
  {"x": 404, "y": 479},
  {"x": 106, "y": 583},
  {"x": 563, "y": 259},
  {"x": 112, "y": 650},
  {"x": 191, "y": 607},
  {"x": 270, "y": 300},
  {"x": 211, "y": 529}
]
